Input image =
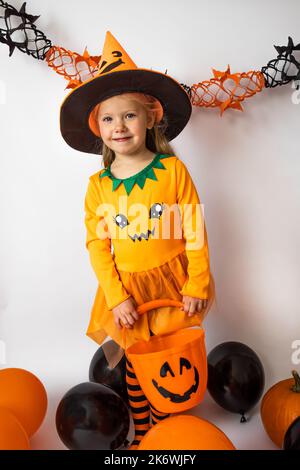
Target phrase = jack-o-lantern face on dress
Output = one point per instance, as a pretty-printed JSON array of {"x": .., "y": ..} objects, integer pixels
[
  {"x": 155, "y": 211},
  {"x": 184, "y": 365}
]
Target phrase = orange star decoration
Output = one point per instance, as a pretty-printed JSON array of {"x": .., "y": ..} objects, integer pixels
[
  {"x": 74, "y": 67},
  {"x": 226, "y": 90}
]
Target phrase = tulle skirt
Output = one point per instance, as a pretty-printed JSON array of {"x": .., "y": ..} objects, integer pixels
[{"x": 163, "y": 281}]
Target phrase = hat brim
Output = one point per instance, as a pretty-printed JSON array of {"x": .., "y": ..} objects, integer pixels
[{"x": 77, "y": 106}]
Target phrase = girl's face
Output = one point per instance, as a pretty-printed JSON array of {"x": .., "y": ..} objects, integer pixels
[{"x": 123, "y": 123}]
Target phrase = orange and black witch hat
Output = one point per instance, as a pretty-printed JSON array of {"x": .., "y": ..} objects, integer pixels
[{"x": 119, "y": 74}]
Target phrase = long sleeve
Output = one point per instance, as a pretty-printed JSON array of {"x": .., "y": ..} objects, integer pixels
[
  {"x": 99, "y": 249},
  {"x": 194, "y": 233}
]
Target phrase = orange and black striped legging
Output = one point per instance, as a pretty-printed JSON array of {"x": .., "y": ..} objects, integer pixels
[{"x": 140, "y": 407}]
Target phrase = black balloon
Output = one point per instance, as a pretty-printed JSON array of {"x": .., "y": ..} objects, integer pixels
[
  {"x": 236, "y": 377},
  {"x": 92, "y": 416},
  {"x": 292, "y": 436},
  {"x": 101, "y": 373}
]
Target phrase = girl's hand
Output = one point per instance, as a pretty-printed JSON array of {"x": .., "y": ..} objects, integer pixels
[
  {"x": 126, "y": 313},
  {"x": 192, "y": 305}
]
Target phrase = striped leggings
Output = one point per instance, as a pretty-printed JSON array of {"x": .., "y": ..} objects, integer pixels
[{"x": 140, "y": 407}]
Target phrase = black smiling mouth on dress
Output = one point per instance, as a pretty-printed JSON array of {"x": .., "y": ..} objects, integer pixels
[
  {"x": 142, "y": 236},
  {"x": 176, "y": 397}
]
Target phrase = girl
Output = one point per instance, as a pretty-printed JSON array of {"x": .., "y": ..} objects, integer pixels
[{"x": 146, "y": 234}]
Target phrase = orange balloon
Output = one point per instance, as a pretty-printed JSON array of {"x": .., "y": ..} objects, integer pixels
[
  {"x": 185, "y": 432},
  {"x": 25, "y": 396},
  {"x": 12, "y": 433}
]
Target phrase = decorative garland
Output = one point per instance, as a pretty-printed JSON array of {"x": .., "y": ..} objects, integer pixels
[
  {"x": 17, "y": 30},
  {"x": 225, "y": 90}
]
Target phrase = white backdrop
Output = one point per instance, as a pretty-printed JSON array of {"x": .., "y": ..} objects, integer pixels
[{"x": 246, "y": 167}]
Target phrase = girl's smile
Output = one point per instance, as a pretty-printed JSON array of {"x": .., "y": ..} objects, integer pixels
[{"x": 122, "y": 139}]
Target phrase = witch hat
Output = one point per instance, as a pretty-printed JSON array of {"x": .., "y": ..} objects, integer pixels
[{"x": 119, "y": 74}]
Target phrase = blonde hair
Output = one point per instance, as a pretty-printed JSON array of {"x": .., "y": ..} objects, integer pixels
[{"x": 156, "y": 140}]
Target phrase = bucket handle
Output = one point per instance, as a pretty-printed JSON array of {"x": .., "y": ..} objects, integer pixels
[
  {"x": 156, "y": 304},
  {"x": 141, "y": 309}
]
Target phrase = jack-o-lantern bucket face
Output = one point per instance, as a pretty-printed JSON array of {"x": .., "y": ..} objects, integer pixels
[
  {"x": 173, "y": 387},
  {"x": 171, "y": 369}
]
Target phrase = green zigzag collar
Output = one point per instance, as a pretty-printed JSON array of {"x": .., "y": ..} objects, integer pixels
[{"x": 138, "y": 178}]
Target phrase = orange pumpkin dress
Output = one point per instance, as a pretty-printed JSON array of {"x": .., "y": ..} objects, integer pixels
[{"x": 146, "y": 238}]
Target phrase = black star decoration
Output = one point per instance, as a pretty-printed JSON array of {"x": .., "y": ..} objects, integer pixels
[
  {"x": 287, "y": 50},
  {"x": 287, "y": 53},
  {"x": 26, "y": 19}
]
